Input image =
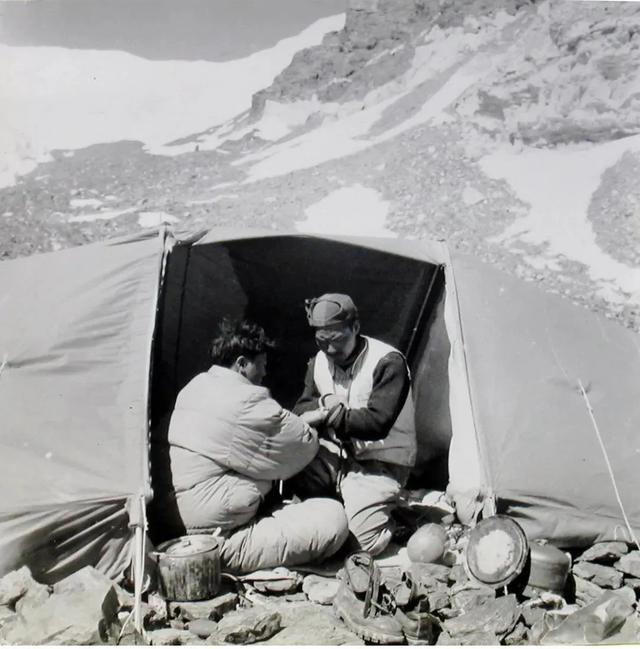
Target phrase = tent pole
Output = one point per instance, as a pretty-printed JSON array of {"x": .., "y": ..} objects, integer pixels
[
  {"x": 139, "y": 554},
  {"x": 423, "y": 307}
]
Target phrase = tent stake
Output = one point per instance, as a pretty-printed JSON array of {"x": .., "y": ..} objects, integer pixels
[{"x": 609, "y": 468}]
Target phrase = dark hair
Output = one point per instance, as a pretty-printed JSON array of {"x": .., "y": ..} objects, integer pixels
[{"x": 239, "y": 338}]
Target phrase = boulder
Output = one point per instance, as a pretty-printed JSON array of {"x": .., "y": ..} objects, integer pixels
[
  {"x": 474, "y": 638},
  {"x": 606, "y": 553},
  {"x": 35, "y": 597},
  {"x": 603, "y": 576},
  {"x": 532, "y": 614},
  {"x": 471, "y": 598},
  {"x": 438, "y": 599},
  {"x": 308, "y": 624},
  {"x": 586, "y": 592},
  {"x": 212, "y": 609},
  {"x": 629, "y": 564},
  {"x": 435, "y": 571},
  {"x": 633, "y": 582},
  {"x": 14, "y": 585},
  {"x": 496, "y": 617},
  {"x": 86, "y": 579},
  {"x": 458, "y": 575},
  {"x": 320, "y": 590},
  {"x": 518, "y": 636},
  {"x": 170, "y": 637},
  {"x": 203, "y": 628},
  {"x": 594, "y": 623},
  {"x": 79, "y": 616},
  {"x": 246, "y": 626},
  {"x": 6, "y": 614}
]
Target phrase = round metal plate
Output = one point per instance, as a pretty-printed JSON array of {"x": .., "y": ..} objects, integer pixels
[{"x": 497, "y": 552}]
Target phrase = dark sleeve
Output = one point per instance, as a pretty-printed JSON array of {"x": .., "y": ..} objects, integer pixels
[
  {"x": 308, "y": 400},
  {"x": 389, "y": 392}
]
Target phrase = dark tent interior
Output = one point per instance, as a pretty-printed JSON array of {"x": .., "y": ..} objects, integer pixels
[{"x": 400, "y": 301}]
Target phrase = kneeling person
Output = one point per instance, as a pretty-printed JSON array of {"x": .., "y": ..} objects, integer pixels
[
  {"x": 228, "y": 441},
  {"x": 357, "y": 391}
]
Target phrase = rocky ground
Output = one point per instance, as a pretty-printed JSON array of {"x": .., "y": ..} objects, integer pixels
[{"x": 439, "y": 604}]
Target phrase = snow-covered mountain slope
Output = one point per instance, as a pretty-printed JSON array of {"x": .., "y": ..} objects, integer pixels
[{"x": 510, "y": 128}]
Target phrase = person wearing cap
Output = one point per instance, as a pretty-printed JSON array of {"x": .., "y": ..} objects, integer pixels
[
  {"x": 229, "y": 440},
  {"x": 357, "y": 393}
]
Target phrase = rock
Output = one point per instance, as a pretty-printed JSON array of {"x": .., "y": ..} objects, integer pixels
[
  {"x": 633, "y": 582},
  {"x": 202, "y": 628},
  {"x": 436, "y": 571},
  {"x": 6, "y": 614},
  {"x": 605, "y": 553},
  {"x": 84, "y": 580},
  {"x": 212, "y": 609},
  {"x": 69, "y": 617},
  {"x": 629, "y": 564},
  {"x": 311, "y": 624},
  {"x": 35, "y": 597},
  {"x": 14, "y": 585},
  {"x": 603, "y": 576},
  {"x": 519, "y": 635},
  {"x": 438, "y": 600},
  {"x": 593, "y": 623},
  {"x": 496, "y": 617},
  {"x": 531, "y": 615},
  {"x": 477, "y": 638},
  {"x": 458, "y": 575},
  {"x": 169, "y": 637},
  {"x": 278, "y": 580},
  {"x": 320, "y": 590},
  {"x": 245, "y": 626},
  {"x": 586, "y": 592},
  {"x": 155, "y": 610},
  {"x": 468, "y": 599}
]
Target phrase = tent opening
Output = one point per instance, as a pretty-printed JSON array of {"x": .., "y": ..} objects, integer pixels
[{"x": 400, "y": 300}]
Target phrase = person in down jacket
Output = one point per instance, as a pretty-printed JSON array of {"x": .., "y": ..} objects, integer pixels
[{"x": 228, "y": 442}]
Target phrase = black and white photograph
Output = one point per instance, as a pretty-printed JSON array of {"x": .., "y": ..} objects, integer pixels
[{"x": 319, "y": 322}]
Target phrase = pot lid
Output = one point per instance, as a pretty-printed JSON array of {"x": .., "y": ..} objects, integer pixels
[
  {"x": 186, "y": 546},
  {"x": 496, "y": 552}
]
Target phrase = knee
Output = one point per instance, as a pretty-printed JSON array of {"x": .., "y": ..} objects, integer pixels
[
  {"x": 333, "y": 520},
  {"x": 375, "y": 542}
]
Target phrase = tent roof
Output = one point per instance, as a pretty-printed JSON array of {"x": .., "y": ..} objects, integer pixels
[{"x": 433, "y": 252}]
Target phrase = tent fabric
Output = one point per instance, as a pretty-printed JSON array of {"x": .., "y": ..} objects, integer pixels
[
  {"x": 75, "y": 341},
  {"x": 526, "y": 353},
  {"x": 496, "y": 364}
]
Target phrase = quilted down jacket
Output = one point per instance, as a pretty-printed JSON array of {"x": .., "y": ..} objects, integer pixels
[{"x": 228, "y": 441}]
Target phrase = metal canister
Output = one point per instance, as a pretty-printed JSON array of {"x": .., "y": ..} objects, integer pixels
[{"x": 549, "y": 568}]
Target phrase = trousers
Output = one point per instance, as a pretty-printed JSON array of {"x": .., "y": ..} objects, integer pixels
[
  {"x": 293, "y": 534},
  {"x": 368, "y": 488}
]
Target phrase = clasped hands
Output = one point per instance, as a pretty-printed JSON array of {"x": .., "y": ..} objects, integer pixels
[{"x": 330, "y": 408}]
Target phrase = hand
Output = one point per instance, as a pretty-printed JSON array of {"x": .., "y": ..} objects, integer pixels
[
  {"x": 329, "y": 401},
  {"x": 314, "y": 417}
]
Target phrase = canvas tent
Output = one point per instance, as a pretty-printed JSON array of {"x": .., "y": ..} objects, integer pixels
[{"x": 96, "y": 341}]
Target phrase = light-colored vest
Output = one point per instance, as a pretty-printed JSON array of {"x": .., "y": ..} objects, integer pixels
[{"x": 355, "y": 385}]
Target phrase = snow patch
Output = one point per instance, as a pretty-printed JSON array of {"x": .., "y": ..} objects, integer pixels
[
  {"x": 215, "y": 199},
  {"x": 350, "y": 211},
  {"x": 85, "y": 202},
  {"x": 100, "y": 216},
  {"x": 155, "y": 219},
  {"x": 36, "y": 84},
  {"x": 471, "y": 196},
  {"x": 558, "y": 185},
  {"x": 346, "y": 129}
]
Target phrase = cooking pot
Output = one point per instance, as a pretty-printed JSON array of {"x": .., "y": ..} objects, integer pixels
[
  {"x": 548, "y": 569},
  {"x": 188, "y": 568}
]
